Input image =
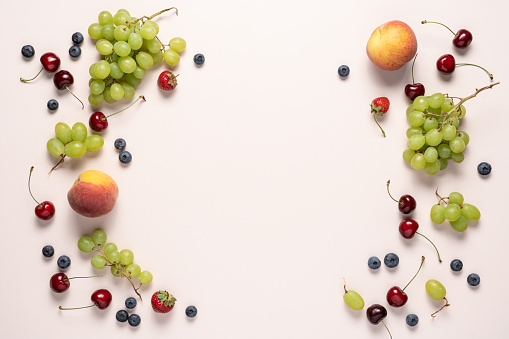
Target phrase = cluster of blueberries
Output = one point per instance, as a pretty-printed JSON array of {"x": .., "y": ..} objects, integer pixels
[
  {"x": 63, "y": 261},
  {"x": 122, "y": 315},
  {"x": 125, "y": 157}
]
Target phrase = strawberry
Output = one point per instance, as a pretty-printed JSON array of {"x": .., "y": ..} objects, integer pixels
[
  {"x": 162, "y": 302},
  {"x": 380, "y": 106},
  {"x": 167, "y": 81}
]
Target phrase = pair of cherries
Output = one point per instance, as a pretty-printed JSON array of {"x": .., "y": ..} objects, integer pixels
[{"x": 60, "y": 283}]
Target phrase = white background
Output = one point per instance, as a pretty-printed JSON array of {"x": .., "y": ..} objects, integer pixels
[{"x": 260, "y": 181}]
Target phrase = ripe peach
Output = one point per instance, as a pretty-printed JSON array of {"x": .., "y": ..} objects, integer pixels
[{"x": 93, "y": 194}]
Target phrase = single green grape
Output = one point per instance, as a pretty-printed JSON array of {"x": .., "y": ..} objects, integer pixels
[
  {"x": 144, "y": 60},
  {"x": 107, "y": 96},
  {"x": 117, "y": 91},
  {"x": 457, "y": 145},
  {"x": 95, "y": 99},
  {"x": 115, "y": 271},
  {"x": 132, "y": 80},
  {"x": 452, "y": 212},
  {"x": 127, "y": 64},
  {"x": 139, "y": 72},
  {"x": 133, "y": 270},
  {"x": 99, "y": 237},
  {"x": 434, "y": 137},
  {"x": 152, "y": 23},
  {"x": 459, "y": 225},
  {"x": 431, "y": 155},
  {"x": 158, "y": 57},
  {"x": 109, "y": 247},
  {"x": 123, "y": 10},
  {"x": 416, "y": 141},
  {"x": 135, "y": 41},
  {"x": 436, "y": 100},
  {"x": 432, "y": 168},
  {"x": 436, "y": 111},
  {"x": 97, "y": 86},
  {"x": 121, "y": 33},
  {"x": 418, "y": 161},
  {"x": 435, "y": 289},
  {"x": 122, "y": 48},
  {"x": 430, "y": 123},
  {"x": 153, "y": 46},
  {"x": 463, "y": 111},
  {"x": 145, "y": 277},
  {"x": 121, "y": 18},
  {"x": 94, "y": 142},
  {"x": 75, "y": 149},
  {"x": 457, "y": 157},
  {"x": 416, "y": 119},
  {"x": 95, "y": 31},
  {"x": 115, "y": 71},
  {"x": 470, "y": 212},
  {"x": 413, "y": 130},
  {"x": 177, "y": 44},
  {"x": 129, "y": 90},
  {"x": 437, "y": 214},
  {"x": 456, "y": 198},
  {"x": 63, "y": 132},
  {"x": 91, "y": 71},
  {"x": 353, "y": 300},
  {"x": 104, "y": 47},
  {"x": 421, "y": 103},
  {"x": 448, "y": 132},
  {"x": 172, "y": 58},
  {"x": 126, "y": 257},
  {"x": 444, "y": 151},
  {"x": 98, "y": 261},
  {"x": 148, "y": 32},
  {"x": 108, "y": 32},
  {"x": 410, "y": 109},
  {"x": 455, "y": 122},
  {"x": 79, "y": 131},
  {"x": 463, "y": 135},
  {"x": 408, "y": 154},
  {"x": 105, "y": 18},
  {"x": 443, "y": 163},
  {"x": 113, "y": 256},
  {"x": 55, "y": 147},
  {"x": 102, "y": 69},
  {"x": 447, "y": 105},
  {"x": 85, "y": 244}
]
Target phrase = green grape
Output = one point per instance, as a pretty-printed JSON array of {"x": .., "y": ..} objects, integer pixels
[
  {"x": 95, "y": 99},
  {"x": 99, "y": 237},
  {"x": 431, "y": 155},
  {"x": 107, "y": 96},
  {"x": 416, "y": 141},
  {"x": 102, "y": 69},
  {"x": 144, "y": 60},
  {"x": 452, "y": 212},
  {"x": 135, "y": 41},
  {"x": 443, "y": 163},
  {"x": 139, "y": 72},
  {"x": 418, "y": 161},
  {"x": 97, "y": 86},
  {"x": 434, "y": 137},
  {"x": 145, "y": 277},
  {"x": 448, "y": 132},
  {"x": 457, "y": 157},
  {"x": 95, "y": 31},
  {"x": 127, "y": 64},
  {"x": 91, "y": 71},
  {"x": 121, "y": 18},
  {"x": 79, "y": 131},
  {"x": 463, "y": 135},
  {"x": 416, "y": 119},
  {"x": 421, "y": 103},
  {"x": 153, "y": 46},
  {"x": 408, "y": 154},
  {"x": 132, "y": 80},
  {"x": 177, "y": 44},
  {"x": 456, "y": 198},
  {"x": 94, "y": 142},
  {"x": 463, "y": 111},
  {"x": 459, "y": 225},
  {"x": 172, "y": 58},
  {"x": 129, "y": 90},
  {"x": 122, "y": 48},
  {"x": 122, "y": 10},
  {"x": 63, "y": 132},
  {"x": 152, "y": 23},
  {"x": 436, "y": 100},
  {"x": 148, "y": 32},
  {"x": 109, "y": 247},
  {"x": 470, "y": 212},
  {"x": 444, "y": 151},
  {"x": 105, "y": 18},
  {"x": 447, "y": 105},
  {"x": 115, "y": 271},
  {"x": 104, "y": 47},
  {"x": 455, "y": 122},
  {"x": 126, "y": 257},
  {"x": 117, "y": 91},
  {"x": 432, "y": 168},
  {"x": 115, "y": 71},
  {"x": 108, "y": 32},
  {"x": 98, "y": 261},
  {"x": 121, "y": 33},
  {"x": 436, "y": 111},
  {"x": 435, "y": 289},
  {"x": 75, "y": 149},
  {"x": 353, "y": 300},
  {"x": 158, "y": 57},
  {"x": 55, "y": 147},
  {"x": 133, "y": 270},
  {"x": 113, "y": 256},
  {"x": 410, "y": 109},
  {"x": 85, "y": 244},
  {"x": 430, "y": 123},
  {"x": 413, "y": 130},
  {"x": 437, "y": 214},
  {"x": 457, "y": 145}
]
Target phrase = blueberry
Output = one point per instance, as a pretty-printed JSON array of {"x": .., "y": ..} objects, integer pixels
[
  {"x": 374, "y": 263},
  {"x": 27, "y": 51},
  {"x": 48, "y": 251},
  {"x": 122, "y": 316},
  {"x": 456, "y": 265},
  {"x": 130, "y": 303},
  {"x": 412, "y": 319},
  {"x": 473, "y": 279},
  {"x": 391, "y": 260},
  {"x": 134, "y": 319},
  {"x": 125, "y": 157},
  {"x": 77, "y": 38},
  {"x": 119, "y": 144},
  {"x": 199, "y": 59},
  {"x": 343, "y": 71},
  {"x": 52, "y": 104},
  {"x": 63, "y": 261},
  {"x": 484, "y": 168},
  {"x": 75, "y": 51},
  {"x": 191, "y": 311}
]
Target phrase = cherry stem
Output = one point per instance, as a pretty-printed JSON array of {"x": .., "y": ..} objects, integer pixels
[
  {"x": 399, "y": 202},
  {"x": 140, "y": 97},
  {"x": 436, "y": 249},
  {"x": 27, "y": 80},
  {"x": 29, "y": 190},
  {"x": 464, "y": 64},
  {"x": 374, "y": 115},
  {"x": 82, "y": 105},
  {"x": 441, "y": 308},
  {"x": 75, "y": 308},
  {"x": 92, "y": 276},
  {"x": 433, "y": 22},
  {"x": 164, "y": 10},
  {"x": 415, "y": 57},
  {"x": 62, "y": 156},
  {"x": 387, "y": 328},
  {"x": 422, "y": 262}
]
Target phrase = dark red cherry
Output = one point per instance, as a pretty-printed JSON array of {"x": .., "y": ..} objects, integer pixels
[
  {"x": 412, "y": 91},
  {"x": 101, "y": 298},
  {"x": 98, "y": 121},
  {"x": 408, "y": 227},
  {"x": 50, "y": 62},
  {"x": 462, "y": 39},
  {"x": 59, "y": 283},
  {"x": 396, "y": 297},
  {"x": 446, "y": 64},
  {"x": 407, "y": 204},
  {"x": 376, "y": 313},
  {"x": 63, "y": 79},
  {"x": 45, "y": 210}
]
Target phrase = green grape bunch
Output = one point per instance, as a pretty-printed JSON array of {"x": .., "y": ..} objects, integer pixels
[
  {"x": 121, "y": 263},
  {"x": 128, "y": 46},
  {"x": 434, "y": 136},
  {"x": 72, "y": 142},
  {"x": 455, "y": 210}
]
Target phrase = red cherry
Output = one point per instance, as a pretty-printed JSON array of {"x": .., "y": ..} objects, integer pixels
[
  {"x": 408, "y": 228},
  {"x": 59, "y": 283},
  {"x": 396, "y": 297},
  {"x": 50, "y": 62},
  {"x": 462, "y": 39},
  {"x": 98, "y": 121},
  {"x": 62, "y": 79},
  {"x": 406, "y": 203},
  {"x": 44, "y": 210},
  {"x": 446, "y": 64},
  {"x": 101, "y": 298},
  {"x": 412, "y": 91}
]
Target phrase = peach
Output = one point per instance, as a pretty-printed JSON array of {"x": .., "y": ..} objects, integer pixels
[
  {"x": 392, "y": 45},
  {"x": 93, "y": 194}
]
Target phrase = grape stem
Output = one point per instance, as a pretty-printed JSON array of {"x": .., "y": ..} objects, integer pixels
[
  {"x": 441, "y": 199},
  {"x": 29, "y": 190},
  {"x": 140, "y": 97},
  {"x": 344, "y": 286},
  {"x": 441, "y": 308},
  {"x": 27, "y": 80},
  {"x": 387, "y": 328},
  {"x": 399, "y": 202},
  {"x": 162, "y": 45},
  {"x": 156, "y": 14},
  {"x": 82, "y": 105},
  {"x": 62, "y": 156},
  {"x": 422, "y": 262},
  {"x": 433, "y": 22}
]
